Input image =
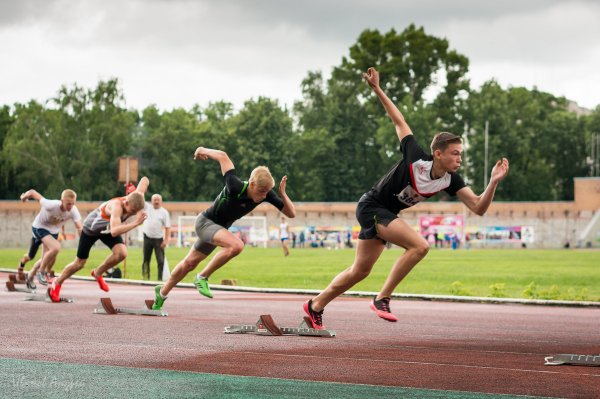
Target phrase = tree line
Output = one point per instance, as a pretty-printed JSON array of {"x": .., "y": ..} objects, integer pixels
[{"x": 334, "y": 143}]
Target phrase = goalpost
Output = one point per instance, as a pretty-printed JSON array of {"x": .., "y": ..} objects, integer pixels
[{"x": 252, "y": 230}]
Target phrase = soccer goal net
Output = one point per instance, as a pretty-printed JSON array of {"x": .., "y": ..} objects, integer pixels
[{"x": 252, "y": 230}]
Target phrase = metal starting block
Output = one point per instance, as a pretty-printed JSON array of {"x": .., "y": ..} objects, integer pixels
[
  {"x": 14, "y": 278},
  {"x": 45, "y": 297},
  {"x": 576, "y": 360},
  {"x": 10, "y": 286},
  {"x": 106, "y": 307},
  {"x": 266, "y": 326}
]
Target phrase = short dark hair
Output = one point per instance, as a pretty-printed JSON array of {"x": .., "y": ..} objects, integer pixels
[{"x": 442, "y": 140}]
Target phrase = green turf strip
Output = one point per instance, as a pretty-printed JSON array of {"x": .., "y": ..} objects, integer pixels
[
  {"x": 508, "y": 273},
  {"x": 36, "y": 379}
]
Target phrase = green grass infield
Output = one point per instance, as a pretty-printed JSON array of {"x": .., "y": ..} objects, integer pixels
[{"x": 504, "y": 273}]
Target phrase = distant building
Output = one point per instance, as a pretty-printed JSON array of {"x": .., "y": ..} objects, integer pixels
[{"x": 572, "y": 106}]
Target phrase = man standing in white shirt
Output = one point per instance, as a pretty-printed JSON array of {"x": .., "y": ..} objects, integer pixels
[
  {"x": 154, "y": 239},
  {"x": 45, "y": 228}
]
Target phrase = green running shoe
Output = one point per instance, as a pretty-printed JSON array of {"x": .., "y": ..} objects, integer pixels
[
  {"x": 158, "y": 299},
  {"x": 203, "y": 288}
]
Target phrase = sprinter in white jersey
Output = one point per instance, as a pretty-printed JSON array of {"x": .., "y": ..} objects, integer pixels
[
  {"x": 45, "y": 228},
  {"x": 416, "y": 177},
  {"x": 107, "y": 224},
  {"x": 284, "y": 236}
]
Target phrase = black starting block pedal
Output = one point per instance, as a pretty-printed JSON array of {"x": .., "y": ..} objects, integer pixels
[
  {"x": 266, "y": 326},
  {"x": 10, "y": 286},
  {"x": 106, "y": 307},
  {"x": 575, "y": 360},
  {"x": 45, "y": 297}
]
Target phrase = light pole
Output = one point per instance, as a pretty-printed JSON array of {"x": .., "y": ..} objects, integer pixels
[
  {"x": 485, "y": 152},
  {"x": 485, "y": 175}
]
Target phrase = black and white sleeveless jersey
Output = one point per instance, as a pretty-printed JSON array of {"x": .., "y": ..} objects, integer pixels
[{"x": 409, "y": 181}]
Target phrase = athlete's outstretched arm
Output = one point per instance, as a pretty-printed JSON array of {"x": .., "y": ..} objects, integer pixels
[
  {"x": 402, "y": 128},
  {"x": 479, "y": 204},
  {"x": 218, "y": 155},
  {"x": 288, "y": 206},
  {"x": 31, "y": 194}
]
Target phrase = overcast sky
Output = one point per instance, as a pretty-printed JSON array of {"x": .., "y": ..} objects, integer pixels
[{"x": 182, "y": 52}]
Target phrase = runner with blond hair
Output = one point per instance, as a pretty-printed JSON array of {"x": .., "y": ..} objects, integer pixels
[
  {"x": 45, "y": 229},
  {"x": 238, "y": 198},
  {"x": 106, "y": 223}
]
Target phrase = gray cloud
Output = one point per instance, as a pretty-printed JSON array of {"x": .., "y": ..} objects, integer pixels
[{"x": 267, "y": 46}]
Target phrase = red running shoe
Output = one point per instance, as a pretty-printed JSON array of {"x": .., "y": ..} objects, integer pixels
[
  {"x": 101, "y": 283},
  {"x": 382, "y": 309},
  {"x": 316, "y": 318},
  {"x": 54, "y": 292}
]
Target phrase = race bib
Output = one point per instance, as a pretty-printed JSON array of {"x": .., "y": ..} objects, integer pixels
[{"x": 409, "y": 196}]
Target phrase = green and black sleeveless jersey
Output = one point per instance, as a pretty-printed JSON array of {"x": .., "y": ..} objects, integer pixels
[{"x": 233, "y": 201}]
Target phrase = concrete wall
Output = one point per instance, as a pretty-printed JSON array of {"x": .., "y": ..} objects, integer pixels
[{"x": 555, "y": 223}]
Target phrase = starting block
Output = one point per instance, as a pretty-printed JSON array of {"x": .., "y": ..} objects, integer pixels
[
  {"x": 10, "y": 286},
  {"x": 14, "y": 278},
  {"x": 266, "y": 326},
  {"x": 106, "y": 307},
  {"x": 45, "y": 297},
  {"x": 575, "y": 360}
]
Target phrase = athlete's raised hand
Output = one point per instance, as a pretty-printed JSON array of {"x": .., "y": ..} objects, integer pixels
[
  {"x": 372, "y": 77},
  {"x": 201, "y": 153},
  {"x": 500, "y": 170},
  {"x": 282, "y": 185},
  {"x": 140, "y": 217}
]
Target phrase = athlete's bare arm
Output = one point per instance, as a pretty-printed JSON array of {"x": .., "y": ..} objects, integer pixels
[
  {"x": 218, "y": 155},
  {"x": 479, "y": 204},
  {"x": 117, "y": 227},
  {"x": 79, "y": 227},
  {"x": 402, "y": 128},
  {"x": 142, "y": 186},
  {"x": 31, "y": 194}
]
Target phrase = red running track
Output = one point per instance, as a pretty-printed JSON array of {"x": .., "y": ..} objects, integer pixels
[{"x": 436, "y": 345}]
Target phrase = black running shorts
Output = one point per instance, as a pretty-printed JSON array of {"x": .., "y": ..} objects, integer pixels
[
  {"x": 86, "y": 243},
  {"x": 370, "y": 213}
]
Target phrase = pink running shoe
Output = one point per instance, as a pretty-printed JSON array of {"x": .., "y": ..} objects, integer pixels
[
  {"x": 316, "y": 318},
  {"x": 382, "y": 309},
  {"x": 101, "y": 283},
  {"x": 54, "y": 292}
]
